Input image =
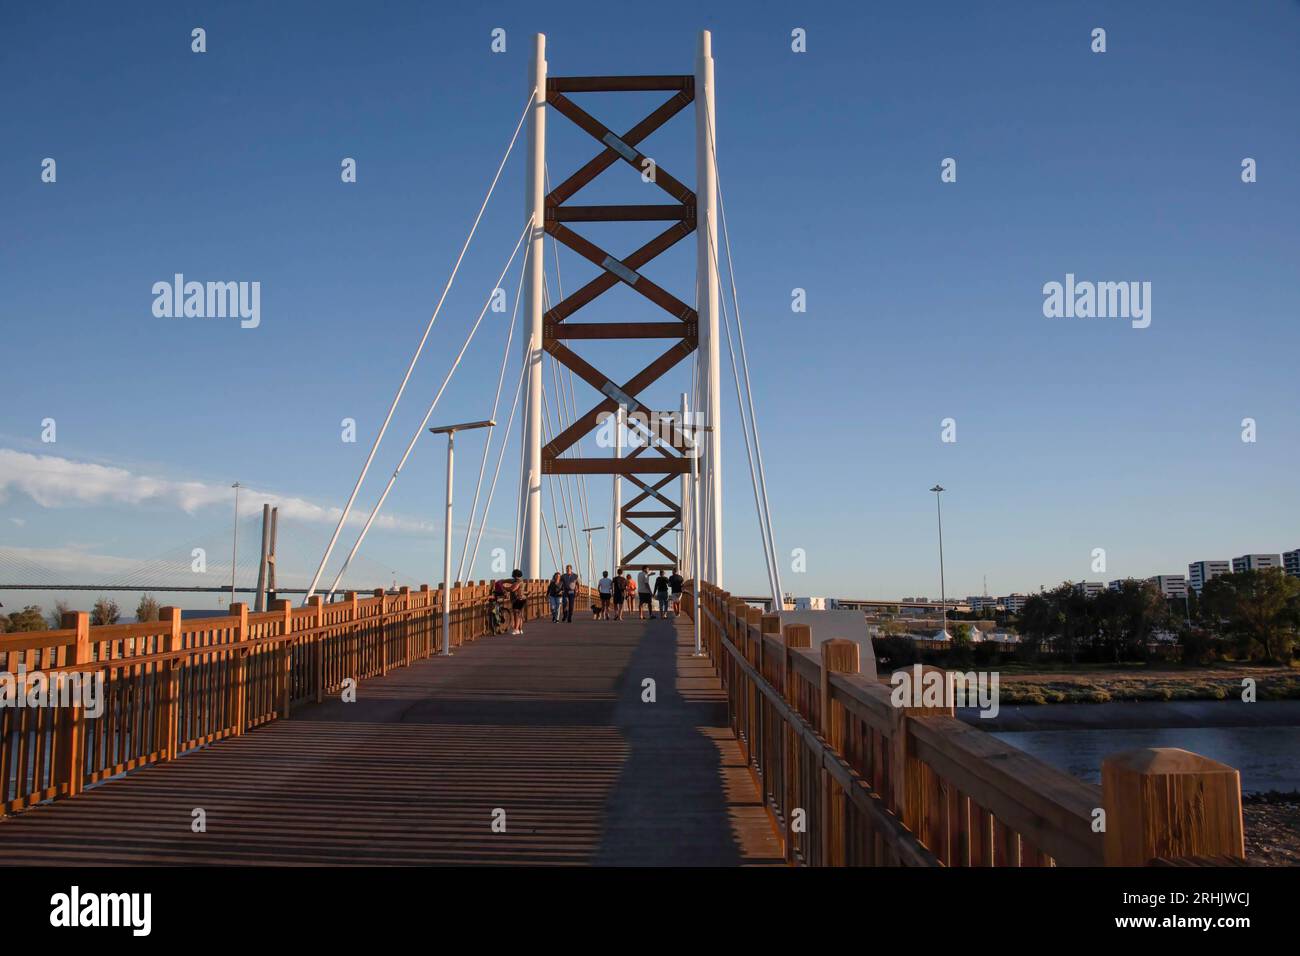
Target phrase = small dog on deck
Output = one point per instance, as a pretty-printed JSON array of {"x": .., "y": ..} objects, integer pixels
[{"x": 596, "y": 611}]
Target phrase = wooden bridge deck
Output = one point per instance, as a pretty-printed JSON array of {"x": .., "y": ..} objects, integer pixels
[{"x": 549, "y": 727}]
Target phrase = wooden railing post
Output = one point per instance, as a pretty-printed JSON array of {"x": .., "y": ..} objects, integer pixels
[
  {"x": 426, "y": 620},
  {"x": 169, "y": 713},
  {"x": 1163, "y": 802},
  {"x": 915, "y": 802},
  {"x": 438, "y": 639},
  {"x": 71, "y": 773},
  {"x": 238, "y": 687},
  {"x": 285, "y": 683},
  {"x": 383, "y": 629},
  {"x": 405, "y": 627},
  {"x": 838, "y": 657},
  {"x": 457, "y": 626},
  {"x": 352, "y": 637},
  {"x": 317, "y": 603},
  {"x": 792, "y": 636},
  {"x": 768, "y": 625},
  {"x": 795, "y": 635}
]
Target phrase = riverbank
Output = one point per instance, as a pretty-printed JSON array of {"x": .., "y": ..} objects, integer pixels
[
  {"x": 1272, "y": 823},
  {"x": 1134, "y": 715},
  {"x": 1037, "y": 684}
]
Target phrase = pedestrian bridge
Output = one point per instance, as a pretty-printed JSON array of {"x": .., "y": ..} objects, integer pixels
[{"x": 339, "y": 734}]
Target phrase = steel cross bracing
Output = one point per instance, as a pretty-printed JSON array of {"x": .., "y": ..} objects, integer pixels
[{"x": 671, "y": 460}]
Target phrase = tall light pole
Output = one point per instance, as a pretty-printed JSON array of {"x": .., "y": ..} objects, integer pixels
[
  {"x": 450, "y": 432},
  {"x": 558, "y": 529},
  {"x": 943, "y": 597},
  {"x": 234, "y": 544},
  {"x": 591, "y": 573}
]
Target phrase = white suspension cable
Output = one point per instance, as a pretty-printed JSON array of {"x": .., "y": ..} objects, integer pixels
[
  {"x": 347, "y": 509},
  {"x": 573, "y": 414},
  {"x": 496, "y": 401},
  {"x": 766, "y": 510},
  {"x": 564, "y": 488},
  {"x": 753, "y": 478},
  {"x": 505, "y": 438},
  {"x": 428, "y": 414},
  {"x": 749, "y": 394},
  {"x": 567, "y": 482}
]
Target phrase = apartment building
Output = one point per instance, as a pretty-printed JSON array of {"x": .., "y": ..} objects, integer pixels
[
  {"x": 1014, "y": 603},
  {"x": 1172, "y": 586},
  {"x": 1256, "y": 562},
  {"x": 1291, "y": 562},
  {"x": 1089, "y": 588},
  {"x": 1198, "y": 572}
]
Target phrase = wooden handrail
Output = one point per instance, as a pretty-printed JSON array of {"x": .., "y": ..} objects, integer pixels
[
  {"x": 851, "y": 778},
  {"x": 176, "y": 684}
]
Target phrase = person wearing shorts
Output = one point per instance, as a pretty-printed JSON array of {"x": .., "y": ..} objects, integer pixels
[
  {"x": 619, "y": 592},
  {"x": 517, "y": 602},
  {"x": 606, "y": 589},
  {"x": 644, "y": 595},
  {"x": 675, "y": 585}
]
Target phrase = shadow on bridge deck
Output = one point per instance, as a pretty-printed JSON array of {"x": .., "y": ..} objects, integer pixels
[{"x": 549, "y": 727}]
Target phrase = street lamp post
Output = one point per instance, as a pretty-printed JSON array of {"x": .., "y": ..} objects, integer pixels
[
  {"x": 450, "y": 432},
  {"x": 558, "y": 529},
  {"x": 943, "y": 597},
  {"x": 591, "y": 573}
]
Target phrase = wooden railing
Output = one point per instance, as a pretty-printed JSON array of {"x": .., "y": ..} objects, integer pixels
[
  {"x": 172, "y": 685},
  {"x": 851, "y": 779}
]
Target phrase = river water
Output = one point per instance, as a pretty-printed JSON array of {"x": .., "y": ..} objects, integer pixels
[{"x": 1267, "y": 757}]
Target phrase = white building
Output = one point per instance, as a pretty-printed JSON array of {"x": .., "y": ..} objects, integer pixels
[
  {"x": 982, "y": 602},
  {"x": 1014, "y": 603},
  {"x": 1172, "y": 586},
  {"x": 815, "y": 604},
  {"x": 1256, "y": 562},
  {"x": 1089, "y": 588},
  {"x": 1118, "y": 584},
  {"x": 1198, "y": 572},
  {"x": 1291, "y": 562}
]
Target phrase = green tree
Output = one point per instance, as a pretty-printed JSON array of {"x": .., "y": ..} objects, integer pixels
[
  {"x": 105, "y": 611},
  {"x": 30, "y": 618},
  {"x": 147, "y": 609},
  {"x": 1126, "y": 618},
  {"x": 1259, "y": 609},
  {"x": 1041, "y": 620}
]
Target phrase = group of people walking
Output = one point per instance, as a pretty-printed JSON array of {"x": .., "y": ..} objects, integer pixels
[
  {"x": 613, "y": 594},
  {"x": 663, "y": 590},
  {"x": 617, "y": 592}
]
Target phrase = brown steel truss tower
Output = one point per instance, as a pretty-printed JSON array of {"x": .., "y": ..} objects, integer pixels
[{"x": 652, "y": 465}]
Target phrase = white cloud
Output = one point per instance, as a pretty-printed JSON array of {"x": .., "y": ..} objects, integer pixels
[{"x": 55, "y": 482}]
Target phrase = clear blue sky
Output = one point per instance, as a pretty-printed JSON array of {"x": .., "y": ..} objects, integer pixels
[{"x": 924, "y": 298}]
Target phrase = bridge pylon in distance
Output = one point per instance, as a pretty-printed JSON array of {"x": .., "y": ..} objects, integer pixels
[{"x": 659, "y": 451}]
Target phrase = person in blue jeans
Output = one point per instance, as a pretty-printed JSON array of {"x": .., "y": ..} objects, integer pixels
[
  {"x": 569, "y": 587},
  {"x": 553, "y": 592}
]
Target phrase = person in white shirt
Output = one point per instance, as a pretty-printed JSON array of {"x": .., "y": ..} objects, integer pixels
[
  {"x": 606, "y": 589},
  {"x": 643, "y": 594}
]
